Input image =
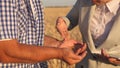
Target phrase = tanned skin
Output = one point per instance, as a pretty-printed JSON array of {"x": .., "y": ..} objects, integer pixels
[{"x": 11, "y": 51}]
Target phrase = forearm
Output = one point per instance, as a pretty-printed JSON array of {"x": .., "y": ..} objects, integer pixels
[
  {"x": 38, "y": 53},
  {"x": 51, "y": 42},
  {"x": 15, "y": 52}
]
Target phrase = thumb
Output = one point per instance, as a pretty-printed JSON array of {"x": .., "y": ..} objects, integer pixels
[{"x": 104, "y": 53}]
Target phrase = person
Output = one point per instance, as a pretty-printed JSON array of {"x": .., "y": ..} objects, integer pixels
[
  {"x": 99, "y": 23},
  {"x": 22, "y": 34}
]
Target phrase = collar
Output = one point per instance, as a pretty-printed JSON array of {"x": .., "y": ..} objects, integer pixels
[{"x": 113, "y": 6}]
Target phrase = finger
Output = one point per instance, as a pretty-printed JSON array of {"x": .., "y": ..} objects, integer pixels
[
  {"x": 77, "y": 58},
  {"x": 80, "y": 57},
  {"x": 60, "y": 30},
  {"x": 63, "y": 35},
  {"x": 72, "y": 42},
  {"x": 63, "y": 31},
  {"x": 60, "y": 19},
  {"x": 66, "y": 35},
  {"x": 78, "y": 51},
  {"x": 114, "y": 61},
  {"x": 72, "y": 61},
  {"x": 84, "y": 47},
  {"x": 104, "y": 53}
]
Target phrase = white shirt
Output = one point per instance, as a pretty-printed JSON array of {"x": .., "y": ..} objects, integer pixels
[{"x": 102, "y": 20}]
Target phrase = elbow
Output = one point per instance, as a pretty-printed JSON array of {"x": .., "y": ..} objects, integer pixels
[
  {"x": 4, "y": 58},
  {"x": 6, "y": 50}
]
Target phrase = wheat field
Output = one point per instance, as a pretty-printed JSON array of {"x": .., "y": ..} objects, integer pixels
[{"x": 51, "y": 14}]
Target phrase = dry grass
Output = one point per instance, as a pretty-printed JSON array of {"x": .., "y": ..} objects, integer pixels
[{"x": 51, "y": 15}]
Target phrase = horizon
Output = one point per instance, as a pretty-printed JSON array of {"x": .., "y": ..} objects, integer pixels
[{"x": 52, "y": 3}]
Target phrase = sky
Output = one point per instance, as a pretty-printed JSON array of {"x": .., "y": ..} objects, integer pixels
[{"x": 58, "y": 2}]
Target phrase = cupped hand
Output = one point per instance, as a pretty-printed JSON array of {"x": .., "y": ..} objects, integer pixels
[
  {"x": 71, "y": 58},
  {"x": 73, "y": 53},
  {"x": 72, "y": 44}
]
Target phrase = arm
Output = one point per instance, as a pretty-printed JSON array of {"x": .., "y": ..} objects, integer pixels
[
  {"x": 51, "y": 42},
  {"x": 14, "y": 52},
  {"x": 63, "y": 24},
  {"x": 73, "y": 15}
]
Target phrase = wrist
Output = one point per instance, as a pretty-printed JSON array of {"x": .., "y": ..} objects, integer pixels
[
  {"x": 59, "y": 45},
  {"x": 60, "y": 53}
]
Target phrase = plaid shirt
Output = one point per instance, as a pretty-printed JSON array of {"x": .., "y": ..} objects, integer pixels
[{"x": 22, "y": 20}]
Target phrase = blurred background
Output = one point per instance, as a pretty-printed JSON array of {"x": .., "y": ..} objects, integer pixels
[
  {"x": 58, "y": 2},
  {"x": 52, "y": 10}
]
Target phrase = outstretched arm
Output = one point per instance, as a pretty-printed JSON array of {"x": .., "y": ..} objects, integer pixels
[{"x": 14, "y": 52}]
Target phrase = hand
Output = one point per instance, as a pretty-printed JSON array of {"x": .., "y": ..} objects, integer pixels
[
  {"x": 67, "y": 44},
  {"x": 70, "y": 56},
  {"x": 62, "y": 28},
  {"x": 72, "y": 44},
  {"x": 112, "y": 60}
]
